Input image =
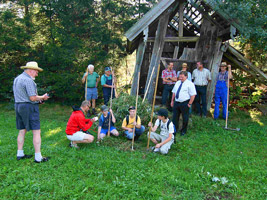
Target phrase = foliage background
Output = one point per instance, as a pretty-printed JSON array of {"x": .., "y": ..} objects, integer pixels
[{"x": 65, "y": 36}]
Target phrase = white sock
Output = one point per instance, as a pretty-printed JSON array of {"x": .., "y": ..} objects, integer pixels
[
  {"x": 38, "y": 156},
  {"x": 20, "y": 153}
]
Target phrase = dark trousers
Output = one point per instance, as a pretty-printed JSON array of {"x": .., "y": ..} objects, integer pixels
[
  {"x": 201, "y": 95},
  {"x": 167, "y": 93},
  {"x": 107, "y": 95},
  {"x": 181, "y": 108}
]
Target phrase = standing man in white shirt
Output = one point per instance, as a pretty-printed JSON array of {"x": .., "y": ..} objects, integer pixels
[
  {"x": 201, "y": 77},
  {"x": 183, "y": 95}
]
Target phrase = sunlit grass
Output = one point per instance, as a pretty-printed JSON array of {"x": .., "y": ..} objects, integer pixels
[
  {"x": 255, "y": 116},
  {"x": 208, "y": 163}
]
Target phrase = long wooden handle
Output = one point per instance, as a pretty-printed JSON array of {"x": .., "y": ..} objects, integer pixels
[
  {"x": 136, "y": 104},
  {"x": 148, "y": 85},
  {"x": 86, "y": 85},
  {"x": 227, "y": 107},
  {"x": 110, "y": 107},
  {"x": 155, "y": 92}
]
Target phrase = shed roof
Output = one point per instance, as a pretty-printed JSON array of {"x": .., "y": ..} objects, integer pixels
[{"x": 194, "y": 11}]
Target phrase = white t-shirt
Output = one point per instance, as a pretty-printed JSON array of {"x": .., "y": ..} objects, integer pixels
[
  {"x": 201, "y": 77},
  {"x": 187, "y": 90},
  {"x": 164, "y": 129}
]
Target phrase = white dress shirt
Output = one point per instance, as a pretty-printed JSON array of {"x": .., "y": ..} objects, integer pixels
[
  {"x": 187, "y": 90},
  {"x": 201, "y": 78}
]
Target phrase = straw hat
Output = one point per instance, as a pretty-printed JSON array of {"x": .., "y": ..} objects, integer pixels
[
  {"x": 32, "y": 65},
  {"x": 224, "y": 64}
]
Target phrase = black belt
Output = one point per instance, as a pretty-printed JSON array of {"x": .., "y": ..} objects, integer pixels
[
  {"x": 201, "y": 85},
  {"x": 183, "y": 101}
]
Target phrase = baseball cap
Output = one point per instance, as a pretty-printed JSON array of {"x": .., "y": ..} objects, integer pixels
[
  {"x": 104, "y": 108},
  {"x": 107, "y": 69},
  {"x": 162, "y": 112},
  {"x": 131, "y": 108}
]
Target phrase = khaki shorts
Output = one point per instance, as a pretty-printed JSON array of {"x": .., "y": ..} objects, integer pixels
[
  {"x": 164, "y": 148},
  {"x": 78, "y": 136}
]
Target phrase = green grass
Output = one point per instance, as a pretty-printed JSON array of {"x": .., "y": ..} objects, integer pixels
[{"x": 112, "y": 171}]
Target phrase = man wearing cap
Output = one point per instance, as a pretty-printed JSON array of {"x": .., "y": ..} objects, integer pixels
[
  {"x": 129, "y": 122},
  {"x": 27, "y": 110},
  {"x": 184, "y": 93},
  {"x": 106, "y": 82},
  {"x": 169, "y": 78},
  {"x": 201, "y": 77},
  {"x": 222, "y": 89},
  {"x": 78, "y": 125},
  {"x": 185, "y": 68},
  {"x": 165, "y": 139},
  {"x": 106, "y": 123},
  {"x": 92, "y": 79}
]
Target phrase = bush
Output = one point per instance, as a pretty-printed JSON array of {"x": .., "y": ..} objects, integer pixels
[{"x": 121, "y": 104}]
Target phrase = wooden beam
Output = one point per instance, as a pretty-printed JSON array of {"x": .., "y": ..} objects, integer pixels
[
  {"x": 223, "y": 32},
  {"x": 156, "y": 54},
  {"x": 239, "y": 64},
  {"x": 216, "y": 62},
  {"x": 139, "y": 60},
  {"x": 176, "y": 51},
  {"x": 176, "y": 39},
  {"x": 176, "y": 60},
  {"x": 247, "y": 62},
  {"x": 181, "y": 18},
  {"x": 151, "y": 16}
]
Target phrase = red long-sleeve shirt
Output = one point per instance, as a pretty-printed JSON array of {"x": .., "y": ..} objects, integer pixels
[{"x": 77, "y": 122}]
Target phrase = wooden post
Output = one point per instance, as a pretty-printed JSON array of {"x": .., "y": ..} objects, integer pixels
[
  {"x": 153, "y": 105},
  {"x": 139, "y": 60},
  {"x": 157, "y": 51},
  {"x": 208, "y": 51},
  {"x": 176, "y": 51},
  {"x": 181, "y": 26},
  {"x": 215, "y": 65}
]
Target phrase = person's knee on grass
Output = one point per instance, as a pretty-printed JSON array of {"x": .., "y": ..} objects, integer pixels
[
  {"x": 106, "y": 123},
  {"x": 78, "y": 125},
  {"x": 164, "y": 140}
]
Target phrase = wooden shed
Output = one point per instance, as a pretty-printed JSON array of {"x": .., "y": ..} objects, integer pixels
[{"x": 184, "y": 31}]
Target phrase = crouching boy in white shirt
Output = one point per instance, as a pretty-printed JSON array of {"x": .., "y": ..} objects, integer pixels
[{"x": 165, "y": 139}]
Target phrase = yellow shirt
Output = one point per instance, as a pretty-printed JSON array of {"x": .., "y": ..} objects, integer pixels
[{"x": 131, "y": 121}]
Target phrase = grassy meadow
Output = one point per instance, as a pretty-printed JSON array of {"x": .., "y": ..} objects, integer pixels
[{"x": 207, "y": 163}]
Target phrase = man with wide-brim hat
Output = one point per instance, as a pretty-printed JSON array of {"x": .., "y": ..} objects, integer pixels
[
  {"x": 221, "y": 89},
  {"x": 27, "y": 110},
  {"x": 185, "y": 68}
]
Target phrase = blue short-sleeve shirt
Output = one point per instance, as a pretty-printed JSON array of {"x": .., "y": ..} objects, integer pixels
[{"x": 24, "y": 87}]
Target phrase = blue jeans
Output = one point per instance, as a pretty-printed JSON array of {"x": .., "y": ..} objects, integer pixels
[
  {"x": 201, "y": 94},
  {"x": 138, "y": 132},
  {"x": 167, "y": 90}
]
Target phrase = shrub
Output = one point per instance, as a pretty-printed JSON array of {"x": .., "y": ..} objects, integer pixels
[{"x": 121, "y": 104}]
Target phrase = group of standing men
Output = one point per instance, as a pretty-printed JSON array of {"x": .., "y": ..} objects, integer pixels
[
  {"x": 91, "y": 78},
  {"x": 186, "y": 89}
]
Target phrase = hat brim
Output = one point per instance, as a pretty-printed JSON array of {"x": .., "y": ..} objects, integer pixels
[{"x": 30, "y": 67}]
